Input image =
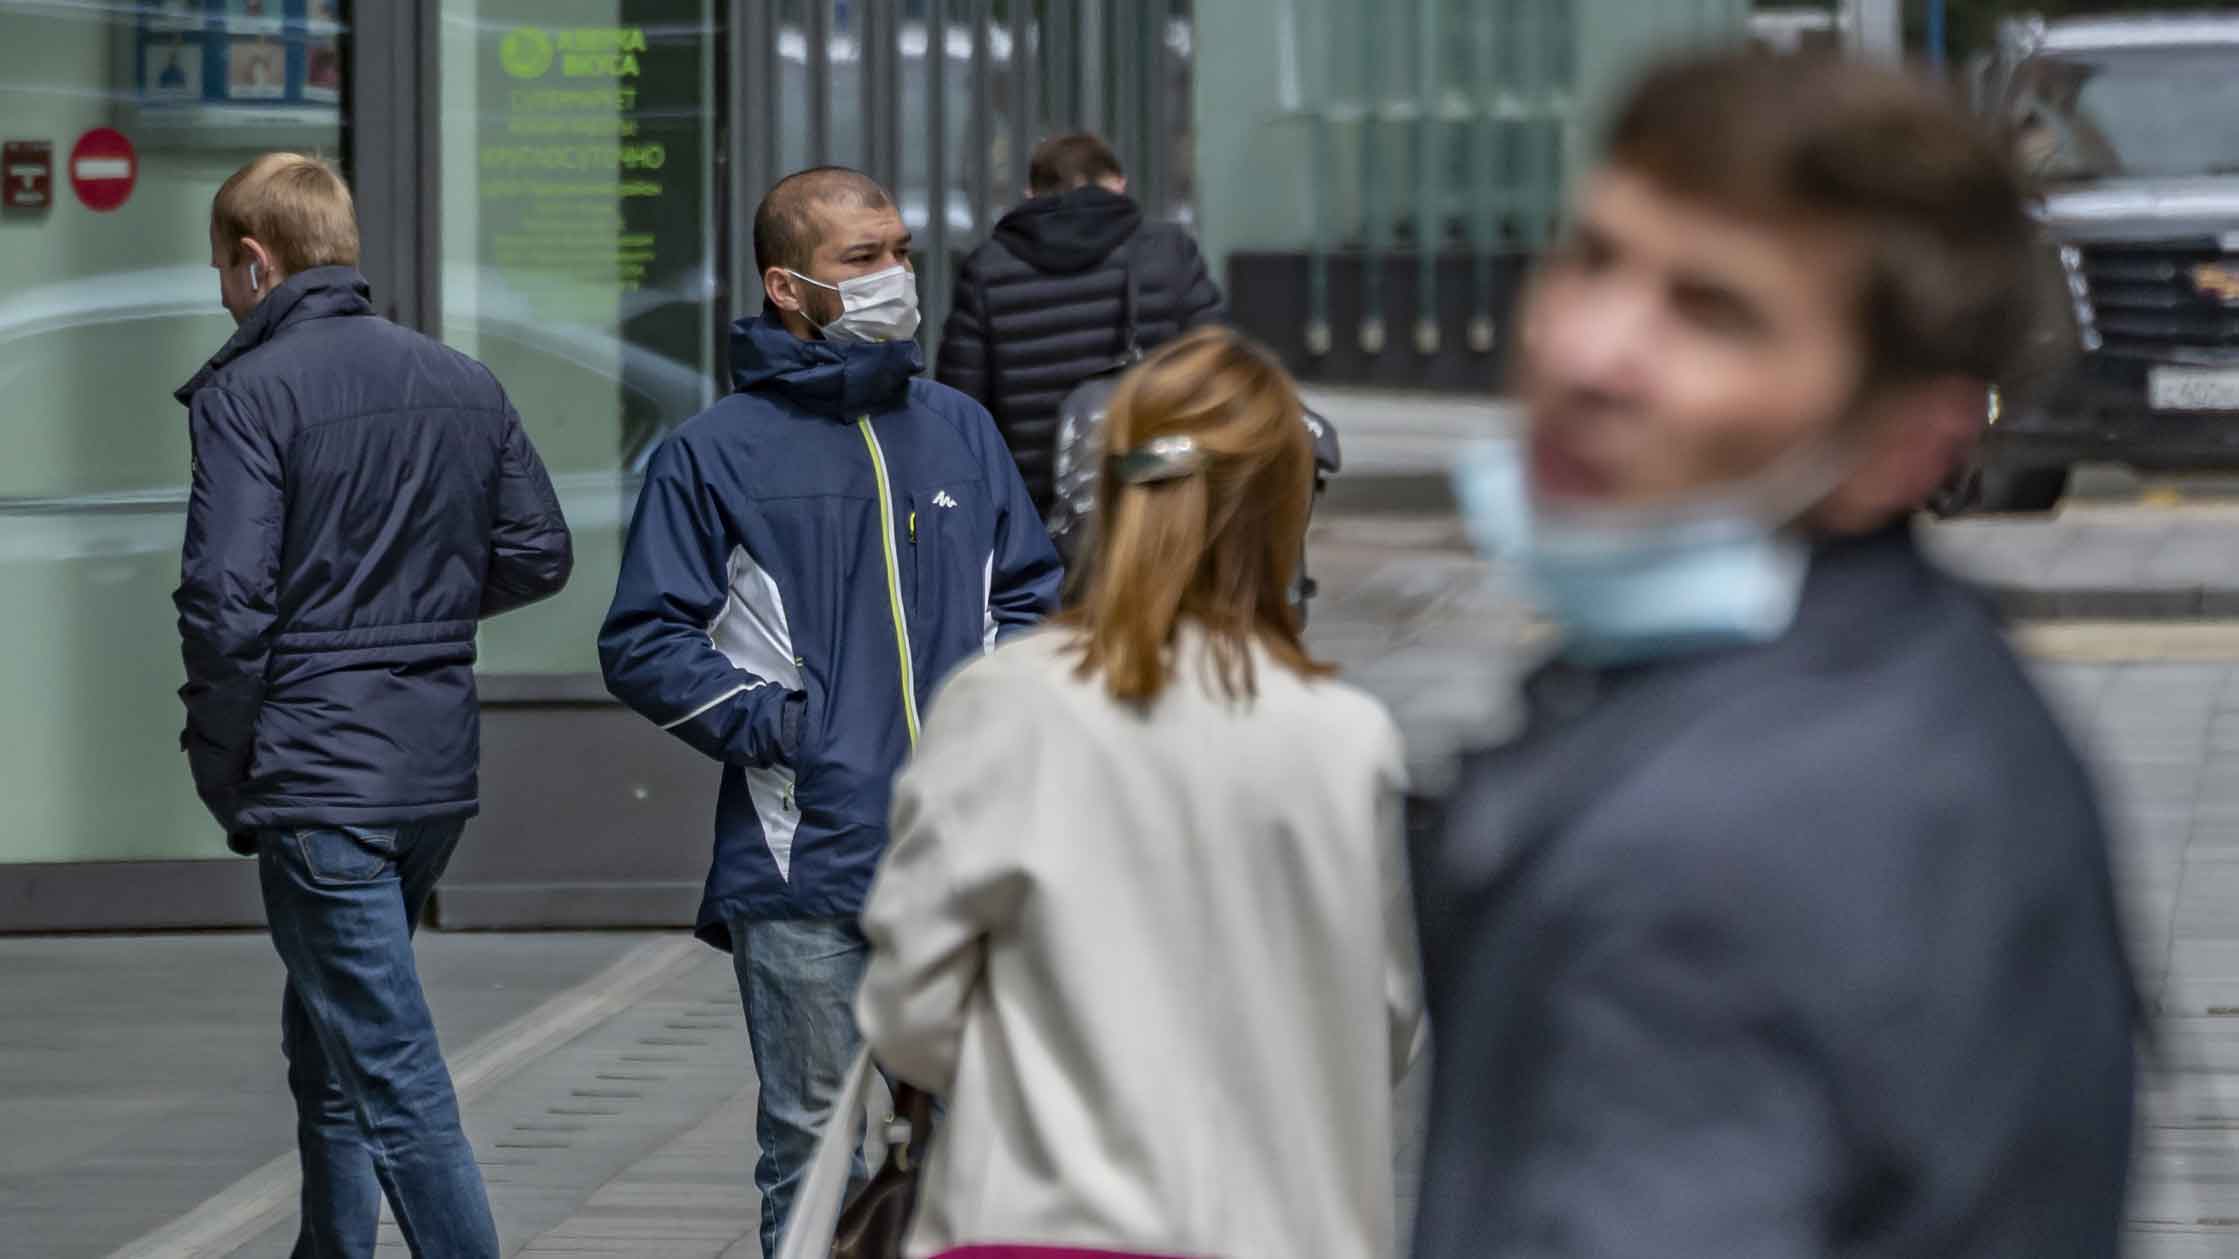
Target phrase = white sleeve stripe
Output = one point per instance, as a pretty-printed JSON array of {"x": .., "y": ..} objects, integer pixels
[{"x": 720, "y": 700}]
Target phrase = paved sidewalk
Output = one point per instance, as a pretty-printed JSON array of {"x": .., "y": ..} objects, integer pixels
[
  {"x": 551, "y": 1136},
  {"x": 2129, "y": 561},
  {"x": 140, "y": 1075},
  {"x": 2118, "y": 548},
  {"x": 153, "y": 1079}
]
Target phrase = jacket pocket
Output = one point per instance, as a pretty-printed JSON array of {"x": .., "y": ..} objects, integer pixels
[
  {"x": 778, "y": 809},
  {"x": 342, "y": 856}
]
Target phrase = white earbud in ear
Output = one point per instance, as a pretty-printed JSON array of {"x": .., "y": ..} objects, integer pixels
[{"x": 256, "y": 278}]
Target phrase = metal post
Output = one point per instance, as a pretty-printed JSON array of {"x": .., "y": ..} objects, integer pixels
[
  {"x": 1533, "y": 77},
  {"x": 1375, "y": 172},
  {"x": 1485, "y": 154},
  {"x": 754, "y": 118},
  {"x": 820, "y": 81},
  {"x": 1060, "y": 52},
  {"x": 1120, "y": 105},
  {"x": 1936, "y": 33},
  {"x": 393, "y": 155},
  {"x": 1091, "y": 61},
  {"x": 885, "y": 127},
  {"x": 1428, "y": 221},
  {"x": 935, "y": 247},
  {"x": 980, "y": 162},
  {"x": 873, "y": 83},
  {"x": 1321, "y": 209},
  {"x": 1156, "y": 190},
  {"x": 1024, "y": 130}
]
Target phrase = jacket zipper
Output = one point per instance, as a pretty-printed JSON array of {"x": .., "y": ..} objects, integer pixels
[
  {"x": 886, "y": 507},
  {"x": 793, "y": 783}
]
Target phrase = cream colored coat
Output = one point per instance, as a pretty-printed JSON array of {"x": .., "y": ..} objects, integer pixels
[{"x": 1160, "y": 965}]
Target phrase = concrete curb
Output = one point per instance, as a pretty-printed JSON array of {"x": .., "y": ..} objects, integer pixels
[
  {"x": 2110, "y": 603},
  {"x": 1379, "y": 493},
  {"x": 1379, "y": 497}
]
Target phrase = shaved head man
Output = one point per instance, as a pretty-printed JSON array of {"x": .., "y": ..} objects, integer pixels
[
  {"x": 851, "y": 532},
  {"x": 818, "y": 229}
]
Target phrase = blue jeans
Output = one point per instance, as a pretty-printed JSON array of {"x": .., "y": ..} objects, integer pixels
[
  {"x": 797, "y": 979},
  {"x": 375, "y": 1113}
]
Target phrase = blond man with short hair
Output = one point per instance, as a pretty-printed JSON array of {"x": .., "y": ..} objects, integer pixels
[{"x": 362, "y": 498}]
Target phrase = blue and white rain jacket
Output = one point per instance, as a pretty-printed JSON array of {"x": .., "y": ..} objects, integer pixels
[{"x": 809, "y": 558}]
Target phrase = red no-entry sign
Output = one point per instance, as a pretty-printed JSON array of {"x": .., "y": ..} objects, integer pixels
[{"x": 103, "y": 168}]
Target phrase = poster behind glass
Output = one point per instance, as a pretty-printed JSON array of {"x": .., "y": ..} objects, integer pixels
[{"x": 202, "y": 70}]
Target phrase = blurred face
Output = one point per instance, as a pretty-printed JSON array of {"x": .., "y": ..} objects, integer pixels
[
  {"x": 852, "y": 241},
  {"x": 245, "y": 273},
  {"x": 1669, "y": 348}
]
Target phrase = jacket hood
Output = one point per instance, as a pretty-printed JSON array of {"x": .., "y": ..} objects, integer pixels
[
  {"x": 319, "y": 293},
  {"x": 838, "y": 378},
  {"x": 1070, "y": 231}
]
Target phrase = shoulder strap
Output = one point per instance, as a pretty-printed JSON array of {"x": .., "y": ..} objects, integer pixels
[
  {"x": 987, "y": 348},
  {"x": 1131, "y": 343}
]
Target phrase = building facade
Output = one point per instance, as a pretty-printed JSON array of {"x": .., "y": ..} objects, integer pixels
[{"x": 562, "y": 188}]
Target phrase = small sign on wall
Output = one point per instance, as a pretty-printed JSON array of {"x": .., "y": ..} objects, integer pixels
[
  {"x": 103, "y": 169},
  {"x": 27, "y": 174}
]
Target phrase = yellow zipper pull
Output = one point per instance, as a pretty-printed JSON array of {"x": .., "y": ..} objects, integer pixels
[{"x": 913, "y": 527}]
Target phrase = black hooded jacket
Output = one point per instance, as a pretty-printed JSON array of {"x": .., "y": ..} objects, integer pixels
[{"x": 1040, "y": 307}]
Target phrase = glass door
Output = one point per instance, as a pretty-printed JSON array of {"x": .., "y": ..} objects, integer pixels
[
  {"x": 579, "y": 256},
  {"x": 117, "y": 124}
]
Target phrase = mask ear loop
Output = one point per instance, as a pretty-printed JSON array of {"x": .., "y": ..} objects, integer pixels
[{"x": 803, "y": 310}]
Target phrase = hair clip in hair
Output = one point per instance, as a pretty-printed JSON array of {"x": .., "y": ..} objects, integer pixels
[{"x": 1159, "y": 459}]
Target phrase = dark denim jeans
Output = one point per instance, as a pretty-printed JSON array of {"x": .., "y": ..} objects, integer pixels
[
  {"x": 375, "y": 1112},
  {"x": 798, "y": 980}
]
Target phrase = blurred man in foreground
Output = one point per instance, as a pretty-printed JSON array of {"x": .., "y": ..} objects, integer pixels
[
  {"x": 1785, "y": 927},
  {"x": 363, "y": 498}
]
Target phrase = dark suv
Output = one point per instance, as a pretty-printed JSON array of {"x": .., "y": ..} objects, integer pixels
[{"x": 2130, "y": 126}]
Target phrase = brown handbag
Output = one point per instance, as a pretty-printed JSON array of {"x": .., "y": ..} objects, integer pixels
[{"x": 877, "y": 1218}]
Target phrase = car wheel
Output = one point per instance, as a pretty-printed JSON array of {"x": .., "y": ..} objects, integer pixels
[{"x": 2022, "y": 490}]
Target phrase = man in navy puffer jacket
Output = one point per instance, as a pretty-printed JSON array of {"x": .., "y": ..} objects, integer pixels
[
  {"x": 362, "y": 498},
  {"x": 809, "y": 558}
]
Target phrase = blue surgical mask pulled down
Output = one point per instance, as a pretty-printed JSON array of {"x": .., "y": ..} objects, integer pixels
[
  {"x": 877, "y": 307},
  {"x": 1628, "y": 586}
]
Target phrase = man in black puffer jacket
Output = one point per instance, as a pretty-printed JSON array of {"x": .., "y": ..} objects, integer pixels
[
  {"x": 1042, "y": 304},
  {"x": 362, "y": 498}
]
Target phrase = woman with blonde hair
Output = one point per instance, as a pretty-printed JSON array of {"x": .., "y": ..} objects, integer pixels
[{"x": 1142, "y": 925}]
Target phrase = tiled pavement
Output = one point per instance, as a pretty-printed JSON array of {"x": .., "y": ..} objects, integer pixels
[
  {"x": 1423, "y": 629},
  {"x": 2104, "y": 560}
]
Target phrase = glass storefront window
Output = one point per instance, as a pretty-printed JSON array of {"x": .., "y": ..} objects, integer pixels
[
  {"x": 117, "y": 124},
  {"x": 579, "y": 256}
]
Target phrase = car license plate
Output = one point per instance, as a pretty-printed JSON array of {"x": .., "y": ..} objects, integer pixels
[{"x": 2193, "y": 388}]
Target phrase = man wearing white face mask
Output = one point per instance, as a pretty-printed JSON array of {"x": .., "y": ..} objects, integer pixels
[
  {"x": 1785, "y": 927},
  {"x": 809, "y": 558}
]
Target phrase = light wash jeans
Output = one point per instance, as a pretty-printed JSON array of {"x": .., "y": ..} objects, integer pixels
[
  {"x": 375, "y": 1112},
  {"x": 797, "y": 979}
]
